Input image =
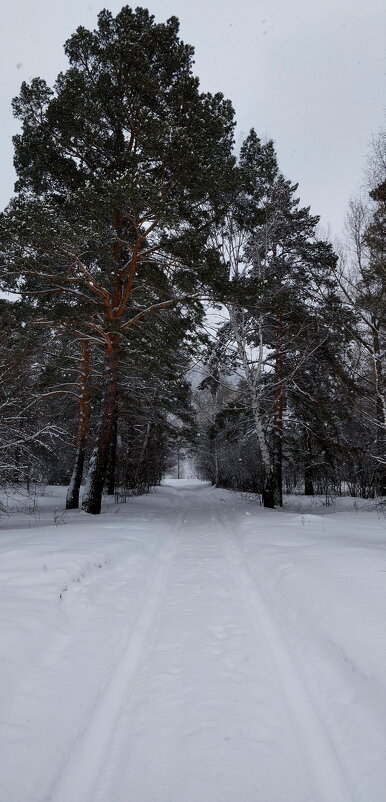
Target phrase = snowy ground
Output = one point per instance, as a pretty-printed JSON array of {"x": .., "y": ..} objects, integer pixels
[{"x": 190, "y": 646}]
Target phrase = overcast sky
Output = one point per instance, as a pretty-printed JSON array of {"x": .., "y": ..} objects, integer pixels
[{"x": 308, "y": 73}]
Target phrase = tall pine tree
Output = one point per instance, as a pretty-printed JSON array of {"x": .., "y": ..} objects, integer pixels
[{"x": 121, "y": 168}]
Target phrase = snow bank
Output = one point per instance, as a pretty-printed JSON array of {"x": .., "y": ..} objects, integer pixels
[
  {"x": 68, "y": 596},
  {"x": 324, "y": 580}
]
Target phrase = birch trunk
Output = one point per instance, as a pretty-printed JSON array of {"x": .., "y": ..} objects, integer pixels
[
  {"x": 278, "y": 421},
  {"x": 252, "y": 375},
  {"x": 380, "y": 404}
]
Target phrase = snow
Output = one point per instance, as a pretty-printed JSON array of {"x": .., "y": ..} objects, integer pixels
[{"x": 190, "y": 646}]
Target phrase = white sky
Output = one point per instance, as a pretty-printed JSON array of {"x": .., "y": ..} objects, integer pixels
[{"x": 308, "y": 73}]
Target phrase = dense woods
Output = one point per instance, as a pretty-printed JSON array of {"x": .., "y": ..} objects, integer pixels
[{"x": 138, "y": 245}]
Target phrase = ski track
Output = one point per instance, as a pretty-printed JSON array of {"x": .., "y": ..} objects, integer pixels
[
  {"x": 79, "y": 776},
  {"x": 330, "y": 783},
  {"x": 206, "y": 701},
  {"x": 200, "y": 615}
]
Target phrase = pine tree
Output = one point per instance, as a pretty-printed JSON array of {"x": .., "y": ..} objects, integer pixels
[
  {"x": 373, "y": 300},
  {"x": 27, "y": 435},
  {"x": 361, "y": 276},
  {"x": 121, "y": 168},
  {"x": 279, "y": 274}
]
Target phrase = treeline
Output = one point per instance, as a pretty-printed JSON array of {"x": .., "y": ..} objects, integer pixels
[
  {"x": 131, "y": 217},
  {"x": 298, "y": 364}
]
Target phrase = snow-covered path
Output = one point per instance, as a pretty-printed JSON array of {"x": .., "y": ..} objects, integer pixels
[
  {"x": 204, "y": 691},
  {"x": 213, "y": 689}
]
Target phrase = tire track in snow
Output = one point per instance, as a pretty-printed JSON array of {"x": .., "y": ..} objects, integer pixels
[
  {"x": 330, "y": 783},
  {"x": 80, "y": 774}
]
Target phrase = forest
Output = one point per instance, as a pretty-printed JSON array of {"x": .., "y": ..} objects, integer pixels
[
  {"x": 192, "y": 427},
  {"x": 165, "y": 295}
]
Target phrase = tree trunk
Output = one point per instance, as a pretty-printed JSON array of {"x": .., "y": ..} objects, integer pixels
[
  {"x": 92, "y": 496},
  {"x": 308, "y": 472},
  {"x": 112, "y": 463},
  {"x": 269, "y": 493},
  {"x": 216, "y": 468},
  {"x": 141, "y": 472},
  {"x": 278, "y": 425},
  {"x": 178, "y": 463},
  {"x": 380, "y": 413},
  {"x": 278, "y": 470},
  {"x": 72, "y": 497},
  {"x": 252, "y": 375},
  {"x": 269, "y": 490},
  {"x": 308, "y": 482}
]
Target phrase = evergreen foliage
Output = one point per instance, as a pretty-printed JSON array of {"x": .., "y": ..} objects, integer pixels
[
  {"x": 120, "y": 168},
  {"x": 130, "y": 214}
]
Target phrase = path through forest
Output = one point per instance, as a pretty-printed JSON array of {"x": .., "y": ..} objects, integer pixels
[{"x": 212, "y": 694}]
